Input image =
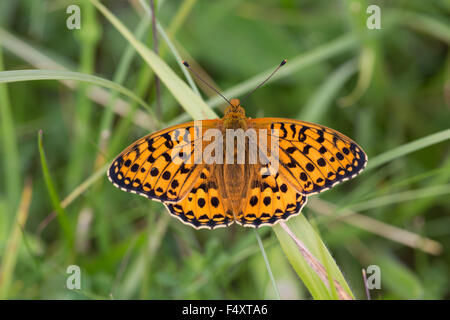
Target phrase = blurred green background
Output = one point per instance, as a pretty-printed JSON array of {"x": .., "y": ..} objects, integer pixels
[{"x": 388, "y": 89}]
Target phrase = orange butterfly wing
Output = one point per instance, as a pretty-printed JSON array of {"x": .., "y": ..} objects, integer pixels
[
  {"x": 204, "y": 206},
  {"x": 270, "y": 199},
  {"x": 313, "y": 158},
  {"x": 148, "y": 166}
]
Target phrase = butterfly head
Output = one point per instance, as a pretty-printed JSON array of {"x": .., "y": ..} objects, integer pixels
[
  {"x": 234, "y": 109},
  {"x": 234, "y": 116}
]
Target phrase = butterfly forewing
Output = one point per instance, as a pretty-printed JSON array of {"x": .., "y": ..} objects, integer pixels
[
  {"x": 161, "y": 165},
  {"x": 313, "y": 158}
]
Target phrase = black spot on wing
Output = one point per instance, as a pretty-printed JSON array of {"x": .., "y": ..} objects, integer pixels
[{"x": 328, "y": 179}]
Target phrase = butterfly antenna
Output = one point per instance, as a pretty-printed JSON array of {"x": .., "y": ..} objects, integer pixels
[
  {"x": 267, "y": 79},
  {"x": 201, "y": 79}
]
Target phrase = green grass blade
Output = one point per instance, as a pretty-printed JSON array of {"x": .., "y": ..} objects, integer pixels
[
  {"x": 35, "y": 56},
  {"x": 331, "y": 282},
  {"x": 12, "y": 183},
  {"x": 86, "y": 184},
  {"x": 61, "y": 213},
  {"x": 83, "y": 127},
  {"x": 377, "y": 227},
  {"x": 317, "y": 105},
  {"x": 367, "y": 62},
  {"x": 302, "y": 229},
  {"x": 33, "y": 75},
  {"x": 9, "y": 257},
  {"x": 410, "y": 195},
  {"x": 408, "y": 148},
  {"x": 183, "y": 11},
  {"x": 424, "y": 23},
  {"x": 400, "y": 280},
  {"x": 171, "y": 46},
  {"x": 266, "y": 261},
  {"x": 190, "y": 101},
  {"x": 119, "y": 78},
  {"x": 43, "y": 59}
]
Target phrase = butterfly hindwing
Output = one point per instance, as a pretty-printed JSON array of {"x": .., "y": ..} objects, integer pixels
[
  {"x": 270, "y": 199},
  {"x": 203, "y": 207},
  {"x": 160, "y": 166},
  {"x": 313, "y": 158}
]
